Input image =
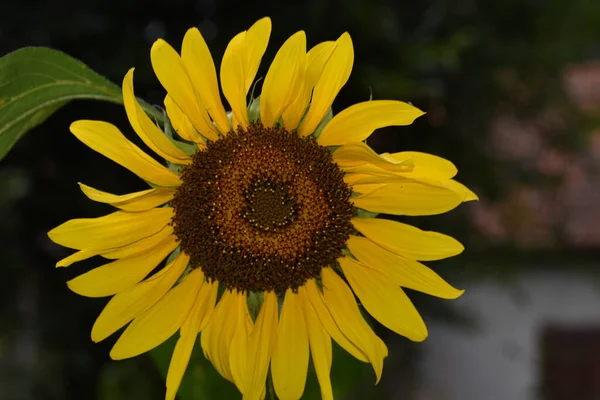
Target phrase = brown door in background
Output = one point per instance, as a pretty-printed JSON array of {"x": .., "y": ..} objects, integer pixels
[{"x": 570, "y": 364}]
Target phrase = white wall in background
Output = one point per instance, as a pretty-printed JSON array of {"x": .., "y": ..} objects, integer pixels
[{"x": 499, "y": 360}]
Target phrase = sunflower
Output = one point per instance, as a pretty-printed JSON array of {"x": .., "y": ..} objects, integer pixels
[{"x": 265, "y": 215}]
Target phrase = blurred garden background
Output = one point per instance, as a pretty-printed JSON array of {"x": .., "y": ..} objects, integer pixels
[{"x": 512, "y": 95}]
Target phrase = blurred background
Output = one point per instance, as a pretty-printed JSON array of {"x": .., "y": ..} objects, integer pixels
[{"x": 512, "y": 95}]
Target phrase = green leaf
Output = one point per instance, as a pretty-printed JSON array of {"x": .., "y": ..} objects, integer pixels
[{"x": 36, "y": 81}]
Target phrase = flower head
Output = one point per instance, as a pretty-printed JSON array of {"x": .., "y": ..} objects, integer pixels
[{"x": 272, "y": 202}]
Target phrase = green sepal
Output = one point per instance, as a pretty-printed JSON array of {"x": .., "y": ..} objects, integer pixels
[
  {"x": 187, "y": 147},
  {"x": 174, "y": 167},
  {"x": 319, "y": 281},
  {"x": 338, "y": 268},
  {"x": 255, "y": 301},
  {"x": 168, "y": 128},
  {"x": 254, "y": 107},
  {"x": 347, "y": 253},
  {"x": 360, "y": 213},
  {"x": 254, "y": 110},
  {"x": 323, "y": 123},
  {"x": 174, "y": 254},
  {"x": 332, "y": 149}
]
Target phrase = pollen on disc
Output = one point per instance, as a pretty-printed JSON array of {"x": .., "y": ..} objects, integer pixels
[{"x": 262, "y": 209}]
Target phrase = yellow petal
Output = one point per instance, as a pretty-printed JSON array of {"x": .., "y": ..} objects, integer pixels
[
  {"x": 384, "y": 301},
  {"x": 147, "y": 130},
  {"x": 179, "y": 362},
  {"x": 344, "y": 310},
  {"x": 312, "y": 294},
  {"x": 161, "y": 321},
  {"x": 426, "y": 165},
  {"x": 203, "y": 305},
  {"x": 137, "y": 201},
  {"x": 171, "y": 73},
  {"x": 129, "y": 304},
  {"x": 359, "y": 158},
  {"x": 366, "y": 188},
  {"x": 77, "y": 256},
  {"x": 464, "y": 192},
  {"x": 238, "y": 355},
  {"x": 289, "y": 365},
  {"x": 260, "y": 346},
  {"x": 358, "y": 178},
  {"x": 399, "y": 270},
  {"x": 357, "y": 154},
  {"x": 218, "y": 334},
  {"x": 320, "y": 348},
  {"x": 233, "y": 78},
  {"x": 239, "y": 66},
  {"x": 199, "y": 64},
  {"x": 357, "y": 122},
  {"x": 408, "y": 197},
  {"x": 113, "y": 230},
  {"x": 334, "y": 76},
  {"x": 257, "y": 39},
  {"x": 139, "y": 246},
  {"x": 121, "y": 274},
  {"x": 181, "y": 122},
  {"x": 107, "y": 140},
  {"x": 369, "y": 182},
  {"x": 284, "y": 79},
  {"x": 208, "y": 296},
  {"x": 408, "y": 241},
  {"x": 118, "y": 252},
  {"x": 316, "y": 57},
  {"x": 369, "y": 169}
]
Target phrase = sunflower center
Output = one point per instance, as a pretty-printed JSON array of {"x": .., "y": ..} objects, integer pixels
[
  {"x": 262, "y": 209},
  {"x": 269, "y": 205}
]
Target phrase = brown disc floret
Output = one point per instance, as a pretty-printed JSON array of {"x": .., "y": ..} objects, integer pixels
[{"x": 262, "y": 209}]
